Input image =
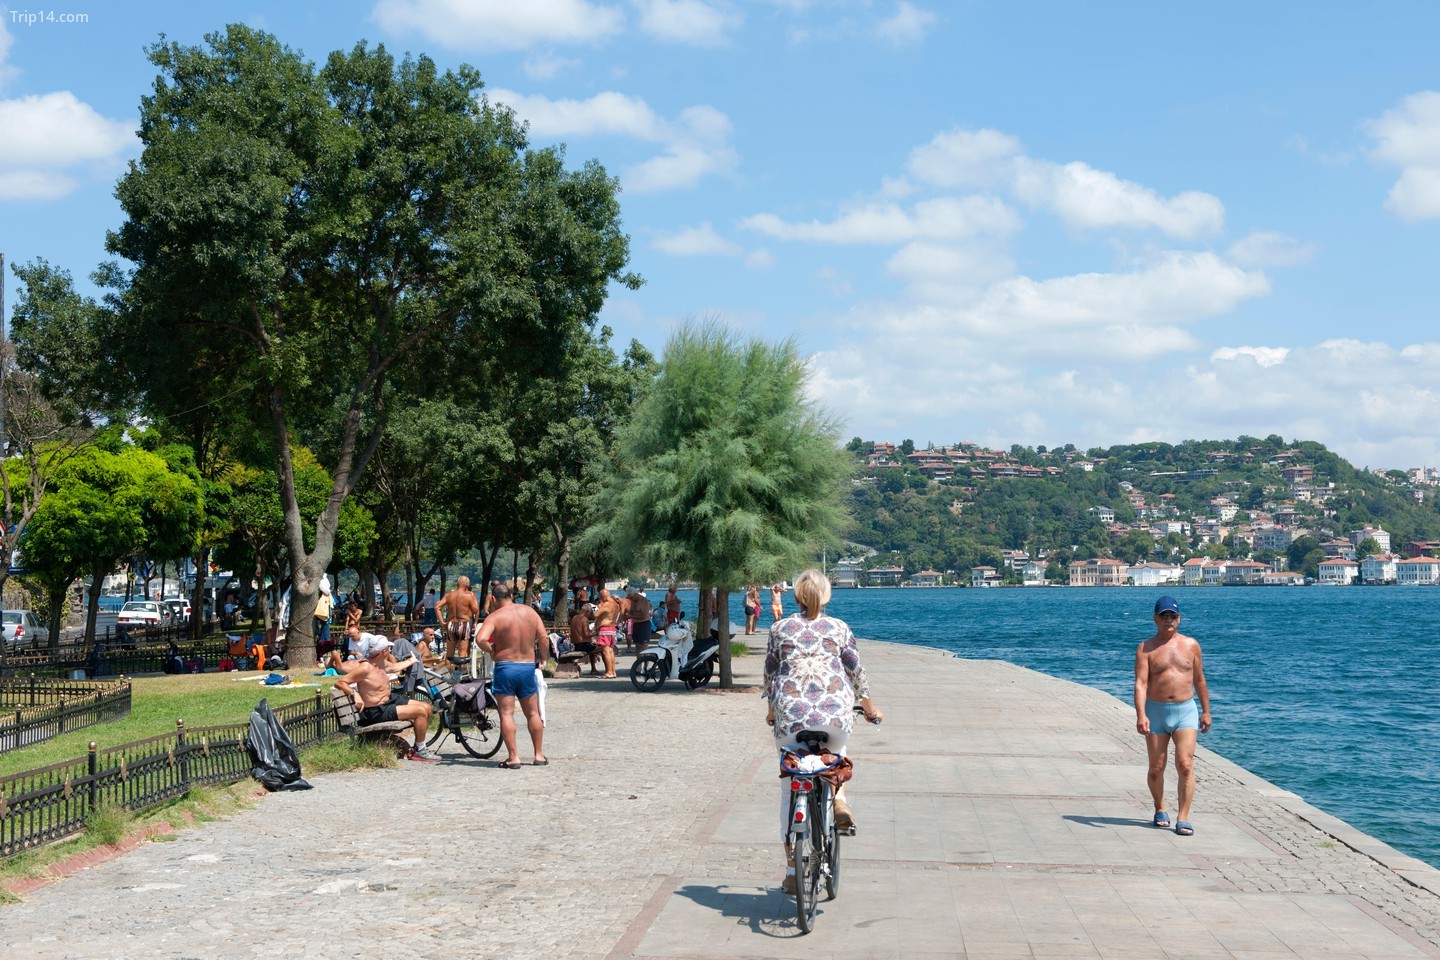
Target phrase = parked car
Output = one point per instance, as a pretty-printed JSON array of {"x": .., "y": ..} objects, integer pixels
[
  {"x": 145, "y": 613},
  {"x": 181, "y": 608},
  {"x": 23, "y": 630}
]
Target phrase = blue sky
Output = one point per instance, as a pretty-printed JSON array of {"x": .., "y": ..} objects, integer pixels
[{"x": 1037, "y": 223}]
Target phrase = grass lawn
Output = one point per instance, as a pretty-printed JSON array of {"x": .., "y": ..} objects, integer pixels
[{"x": 200, "y": 699}]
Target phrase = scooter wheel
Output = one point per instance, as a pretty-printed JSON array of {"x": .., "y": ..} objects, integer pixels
[
  {"x": 647, "y": 674},
  {"x": 700, "y": 676}
]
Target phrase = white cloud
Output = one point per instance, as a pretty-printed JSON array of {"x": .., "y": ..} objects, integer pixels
[
  {"x": 695, "y": 143},
  {"x": 1408, "y": 136},
  {"x": 7, "y": 72},
  {"x": 1086, "y": 198},
  {"x": 907, "y": 26},
  {"x": 760, "y": 259},
  {"x": 944, "y": 218},
  {"x": 47, "y": 137},
  {"x": 693, "y": 22},
  {"x": 500, "y": 24},
  {"x": 965, "y": 158},
  {"x": 547, "y": 66},
  {"x": 1265, "y": 248},
  {"x": 699, "y": 241},
  {"x": 1083, "y": 197},
  {"x": 1263, "y": 356}
]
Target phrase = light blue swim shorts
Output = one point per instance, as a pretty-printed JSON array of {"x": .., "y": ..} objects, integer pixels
[{"x": 1166, "y": 718}]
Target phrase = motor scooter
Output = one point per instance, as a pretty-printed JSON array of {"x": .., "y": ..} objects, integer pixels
[{"x": 676, "y": 656}]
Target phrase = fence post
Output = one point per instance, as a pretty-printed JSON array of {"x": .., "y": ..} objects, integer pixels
[
  {"x": 320, "y": 731},
  {"x": 61, "y": 718},
  {"x": 92, "y": 764},
  {"x": 183, "y": 754}
]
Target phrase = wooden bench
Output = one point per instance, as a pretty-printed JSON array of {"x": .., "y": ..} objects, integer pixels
[{"x": 347, "y": 715}]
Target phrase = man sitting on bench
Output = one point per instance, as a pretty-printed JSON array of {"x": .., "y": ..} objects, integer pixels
[{"x": 369, "y": 680}]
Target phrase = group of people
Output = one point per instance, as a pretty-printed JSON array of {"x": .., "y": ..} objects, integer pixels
[
  {"x": 511, "y": 634},
  {"x": 596, "y": 627}
]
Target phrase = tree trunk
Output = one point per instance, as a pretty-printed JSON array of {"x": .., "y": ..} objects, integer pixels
[
  {"x": 722, "y": 600},
  {"x": 57, "y": 601},
  {"x": 197, "y": 592},
  {"x": 92, "y": 606},
  {"x": 530, "y": 571},
  {"x": 561, "y": 599}
]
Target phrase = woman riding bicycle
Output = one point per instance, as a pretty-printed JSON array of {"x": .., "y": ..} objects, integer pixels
[{"x": 812, "y": 679}]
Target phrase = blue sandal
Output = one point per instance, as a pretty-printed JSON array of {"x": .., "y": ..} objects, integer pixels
[
  {"x": 1184, "y": 829},
  {"x": 1162, "y": 819}
]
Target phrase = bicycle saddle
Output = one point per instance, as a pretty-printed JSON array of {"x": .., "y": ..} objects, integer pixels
[{"x": 814, "y": 739}]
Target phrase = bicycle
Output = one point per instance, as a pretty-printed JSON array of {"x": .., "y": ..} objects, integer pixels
[
  {"x": 476, "y": 731},
  {"x": 814, "y": 837}
]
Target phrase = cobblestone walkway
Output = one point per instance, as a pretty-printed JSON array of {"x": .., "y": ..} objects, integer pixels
[{"x": 1003, "y": 814}]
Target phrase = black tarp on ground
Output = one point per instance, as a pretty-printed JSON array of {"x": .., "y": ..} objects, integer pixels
[{"x": 277, "y": 764}]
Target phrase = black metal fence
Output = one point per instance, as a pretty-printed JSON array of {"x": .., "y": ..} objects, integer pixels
[
  {"x": 40, "y": 806},
  {"x": 34, "y": 708}
]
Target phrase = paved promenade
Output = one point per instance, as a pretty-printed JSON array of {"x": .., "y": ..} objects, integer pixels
[{"x": 1002, "y": 814}]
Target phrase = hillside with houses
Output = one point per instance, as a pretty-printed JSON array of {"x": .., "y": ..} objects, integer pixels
[{"x": 1247, "y": 511}]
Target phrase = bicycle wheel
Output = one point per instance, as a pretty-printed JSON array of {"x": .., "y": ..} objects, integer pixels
[
  {"x": 832, "y": 849},
  {"x": 700, "y": 676},
  {"x": 646, "y": 674},
  {"x": 479, "y": 733},
  {"x": 807, "y": 874},
  {"x": 438, "y": 716}
]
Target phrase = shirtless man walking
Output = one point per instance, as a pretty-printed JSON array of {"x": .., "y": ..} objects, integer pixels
[
  {"x": 458, "y": 610},
  {"x": 512, "y": 635},
  {"x": 369, "y": 678},
  {"x": 1168, "y": 676}
]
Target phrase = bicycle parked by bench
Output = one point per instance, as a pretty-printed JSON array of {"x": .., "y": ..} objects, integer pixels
[{"x": 463, "y": 707}]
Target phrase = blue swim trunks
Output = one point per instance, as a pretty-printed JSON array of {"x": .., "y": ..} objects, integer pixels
[
  {"x": 1166, "y": 718},
  {"x": 514, "y": 678}
]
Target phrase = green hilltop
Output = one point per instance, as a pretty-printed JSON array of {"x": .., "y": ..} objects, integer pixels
[{"x": 953, "y": 508}]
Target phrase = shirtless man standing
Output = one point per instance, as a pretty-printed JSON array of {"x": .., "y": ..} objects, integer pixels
[
  {"x": 369, "y": 679},
  {"x": 672, "y": 606},
  {"x": 607, "y": 613},
  {"x": 514, "y": 636},
  {"x": 777, "y": 608},
  {"x": 458, "y": 610},
  {"x": 1168, "y": 676}
]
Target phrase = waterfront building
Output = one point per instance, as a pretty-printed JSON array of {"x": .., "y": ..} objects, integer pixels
[
  {"x": 985, "y": 577},
  {"x": 846, "y": 573},
  {"x": 1151, "y": 574},
  {"x": 1415, "y": 571},
  {"x": 1245, "y": 571},
  {"x": 1099, "y": 572},
  {"x": 926, "y": 578},
  {"x": 1339, "y": 570},
  {"x": 1378, "y": 568},
  {"x": 1032, "y": 574},
  {"x": 1283, "y": 578},
  {"x": 885, "y": 576}
]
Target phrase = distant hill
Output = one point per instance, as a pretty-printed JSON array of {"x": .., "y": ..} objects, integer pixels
[{"x": 958, "y": 507}]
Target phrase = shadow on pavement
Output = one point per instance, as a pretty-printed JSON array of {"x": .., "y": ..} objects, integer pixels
[
  {"x": 1110, "y": 822},
  {"x": 766, "y": 912}
]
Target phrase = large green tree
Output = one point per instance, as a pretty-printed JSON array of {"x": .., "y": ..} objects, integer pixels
[
  {"x": 302, "y": 233},
  {"x": 726, "y": 472}
]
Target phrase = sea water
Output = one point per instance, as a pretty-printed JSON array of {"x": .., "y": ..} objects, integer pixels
[{"x": 1329, "y": 692}]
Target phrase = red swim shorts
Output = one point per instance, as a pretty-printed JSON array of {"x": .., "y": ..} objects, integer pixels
[{"x": 606, "y": 637}]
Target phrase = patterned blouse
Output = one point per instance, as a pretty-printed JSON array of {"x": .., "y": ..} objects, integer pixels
[{"x": 813, "y": 674}]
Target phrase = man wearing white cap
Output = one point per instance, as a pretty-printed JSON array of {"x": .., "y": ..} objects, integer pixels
[{"x": 369, "y": 678}]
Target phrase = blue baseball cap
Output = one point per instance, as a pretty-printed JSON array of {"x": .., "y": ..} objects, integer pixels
[{"x": 1167, "y": 604}]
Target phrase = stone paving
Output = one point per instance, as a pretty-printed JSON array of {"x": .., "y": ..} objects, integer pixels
[{"x": 1003, "y": 815}]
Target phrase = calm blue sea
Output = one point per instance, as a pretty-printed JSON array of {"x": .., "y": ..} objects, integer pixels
[{"x": 1329, "y": 692}]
